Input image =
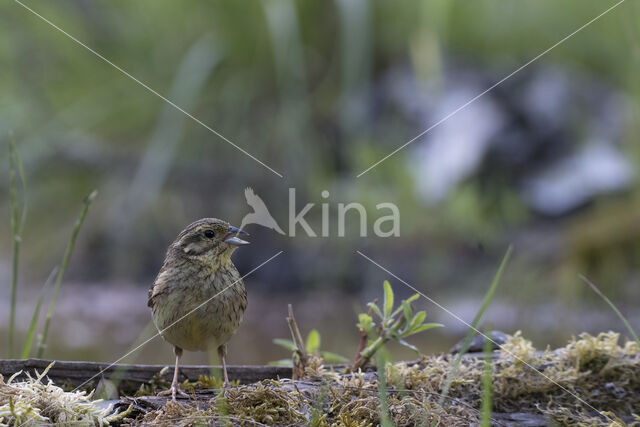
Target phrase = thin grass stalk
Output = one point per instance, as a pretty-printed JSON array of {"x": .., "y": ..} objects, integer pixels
[
  {"x": 26, "y": 349},
  {"x": 487, "y": 383},
  {"x": 63, "y": 268},
  {"x": 18, "y": 218},
  {"x": 383, "y": 359},
  {"x": 474, "y": 326},
  {"x": 613, "y": 307}
]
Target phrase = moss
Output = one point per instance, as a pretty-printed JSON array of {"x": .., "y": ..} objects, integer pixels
[
  {"x": 579, "y": 382},
  {"x": 593, "y": 380},
  {"x": 37, "y": 402},
  {"x": 157, "y": 384}
]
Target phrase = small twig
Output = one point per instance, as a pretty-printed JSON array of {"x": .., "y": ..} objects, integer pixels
[
  {"x": 362, "y": 344},
  {"x": 367, "y": 353},
  {"x": 300, "y": 357},
  {"x": 363, "y": 336}
]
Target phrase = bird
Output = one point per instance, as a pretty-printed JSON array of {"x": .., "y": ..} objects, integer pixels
[
  {"x": 198, "y": 298},
  {"x": 260, "y": 214}
]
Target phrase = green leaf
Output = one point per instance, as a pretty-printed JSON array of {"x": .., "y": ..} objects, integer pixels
[
  {"x": 396, "y": 311},
  {"x": 366, "y": 322},
  {"x": 411, "y": 346},
  {"x": 401, "y": 308},
  {"x": 421, "y": 328},
  {"x": 474, "y": 326},
  {"x": 388, "y": 298},
  {"x": 288, "y": 344},
  {"x": 281, "y": 362},
  {"x": 36, "y": 313},
  {"x": 417, "y": 320},
  {"x": 42, "y": 342},
  {"x": 412, "y": 298},
  {"x": 613, "y": 307},
  {"x": 313, "y": 341},
  {"x": 375, "y": 309},
  {"x": 408, "y": 311},
  {"x": 333, "y": 357}
]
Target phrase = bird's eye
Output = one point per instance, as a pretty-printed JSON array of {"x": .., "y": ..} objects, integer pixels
[{"x": 209, "y": 234}]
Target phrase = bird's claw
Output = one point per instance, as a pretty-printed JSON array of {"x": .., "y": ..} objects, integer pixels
[{"x": 174, "y": 391}]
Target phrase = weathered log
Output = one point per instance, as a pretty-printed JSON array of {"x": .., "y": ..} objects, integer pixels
[
  {"x": 131, "y": 376},
  {"x": 202, "y": 399}
]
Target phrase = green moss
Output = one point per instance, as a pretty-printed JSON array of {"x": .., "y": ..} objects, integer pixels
[{"x": 593, "y": 380}]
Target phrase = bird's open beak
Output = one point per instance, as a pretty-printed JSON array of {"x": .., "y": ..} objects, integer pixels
[{"x": 232, "y": 238}]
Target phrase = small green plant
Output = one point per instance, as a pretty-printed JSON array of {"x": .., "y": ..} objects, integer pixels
[
  {"x": 312, "y": 346},
  {"x": 18, "y": 218},
  {"x": 389, "y": 324}
]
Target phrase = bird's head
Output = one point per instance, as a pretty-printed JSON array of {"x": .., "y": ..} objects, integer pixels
[{"x": 209, "y": 238}]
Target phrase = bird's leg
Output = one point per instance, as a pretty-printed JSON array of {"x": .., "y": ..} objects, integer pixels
[
  {"x": 175, "y": 388},
  {"x": 222, "y": 352}
]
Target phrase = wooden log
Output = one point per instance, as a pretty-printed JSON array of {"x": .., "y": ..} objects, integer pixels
[
  {"x": 131, "y": 376},
  {"x": 203, "y": 400}
]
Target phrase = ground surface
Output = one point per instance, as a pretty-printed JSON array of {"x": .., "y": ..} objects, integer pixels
[{"x": 593, "y": 380}]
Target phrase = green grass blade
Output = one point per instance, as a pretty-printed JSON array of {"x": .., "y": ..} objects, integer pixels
[
  {"x": 65, "y": 261},
  {"x": 613, "y": 307},
  {"x": 388, "y": 299},
  {"x": 18, "y": 217},
  {"x": 487, "y": 383},
  {"x": 383, "y": 359},
  {"x": 36, "y": 314},
  {"x": 312, "y": 344},
  {"x": 474, "y": 326}
]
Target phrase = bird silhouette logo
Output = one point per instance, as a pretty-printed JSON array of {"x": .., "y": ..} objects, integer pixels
[{"x": 260, "y": 214}]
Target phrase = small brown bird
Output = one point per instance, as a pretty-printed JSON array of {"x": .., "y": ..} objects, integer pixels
[{"x": 198, "y": 297}]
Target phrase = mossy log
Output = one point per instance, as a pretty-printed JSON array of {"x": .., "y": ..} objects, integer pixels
[
  {"x": 131, "y": 376},
  {"x": 205, "y": 398}
]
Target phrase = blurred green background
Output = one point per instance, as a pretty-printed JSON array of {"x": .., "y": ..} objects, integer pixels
[{"x": 320, "y": 91}]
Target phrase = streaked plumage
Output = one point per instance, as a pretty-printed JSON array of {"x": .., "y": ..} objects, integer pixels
[{"x": 197, "y": 269}]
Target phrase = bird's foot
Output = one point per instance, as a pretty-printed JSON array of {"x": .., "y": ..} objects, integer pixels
[
  {"x": 174, "y": 391},
  {"x": 224, "y": 390}
]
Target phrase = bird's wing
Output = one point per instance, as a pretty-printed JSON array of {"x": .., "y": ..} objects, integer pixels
[
  {"x": 254, "y": 200},
  {"x": 248, "y": 193}
]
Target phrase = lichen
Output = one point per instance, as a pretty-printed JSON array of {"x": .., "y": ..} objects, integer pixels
[
  {"x": 592, "y": 381},
  {"x": 34, "y": 401},
  {"x": 571, "y": 385}
]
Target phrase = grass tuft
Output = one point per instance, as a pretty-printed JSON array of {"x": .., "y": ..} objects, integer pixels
[
  {"x": 18, "y": 218},
  {"x": 474, "y": 325},
  {"x": 613, "y": 307},
  {"x": 36, "y": 314},
  {"x": 63, "y": 268}
]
